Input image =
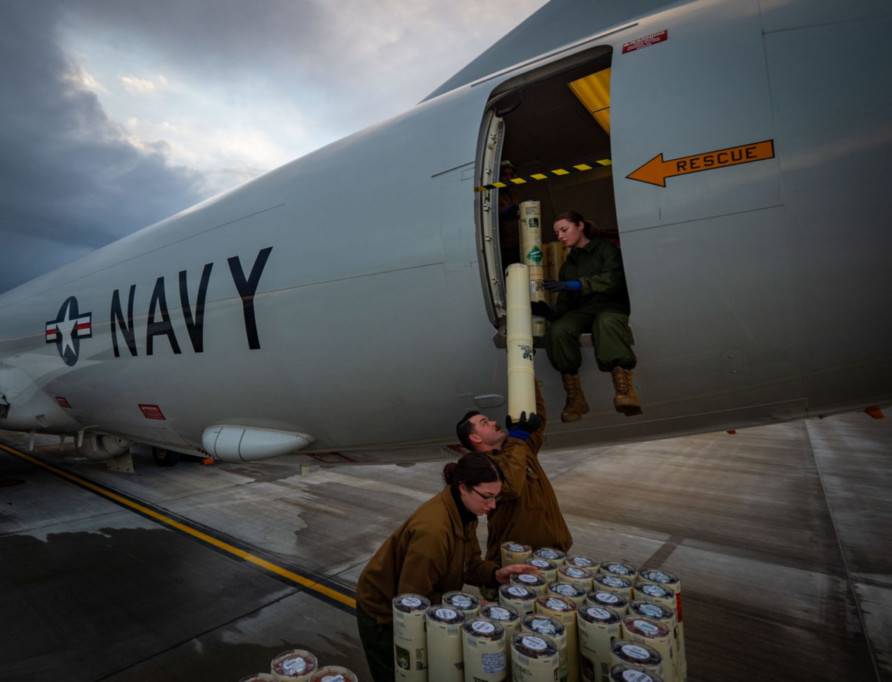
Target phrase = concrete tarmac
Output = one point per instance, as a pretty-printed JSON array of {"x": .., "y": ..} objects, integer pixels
[{"x": 781, "y": 535}]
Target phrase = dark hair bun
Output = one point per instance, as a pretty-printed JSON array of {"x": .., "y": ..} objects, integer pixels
[
  {"x": 449, "y": 472},
  {"x": 472, "y": 469}
]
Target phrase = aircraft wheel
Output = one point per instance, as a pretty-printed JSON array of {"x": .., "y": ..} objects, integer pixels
[{"x": 165, "y": 458}]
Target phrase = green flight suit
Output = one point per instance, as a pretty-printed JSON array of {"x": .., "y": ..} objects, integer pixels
[{"x": 602, "y": 308}]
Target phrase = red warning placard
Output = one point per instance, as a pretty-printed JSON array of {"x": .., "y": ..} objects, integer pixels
[
  {"x": 646, "y": 41},
  {"x": 151, "y": 412}
]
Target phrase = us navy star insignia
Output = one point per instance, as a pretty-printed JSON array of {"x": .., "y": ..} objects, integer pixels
[{"x": 67, "y": 330}]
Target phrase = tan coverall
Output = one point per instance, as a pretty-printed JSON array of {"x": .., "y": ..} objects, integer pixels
[
  {"x": 430, "y": 554},
  {"x": 528, "y": 512}
]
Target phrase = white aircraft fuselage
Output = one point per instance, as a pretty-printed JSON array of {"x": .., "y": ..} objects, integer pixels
[{"x": 352, "y": 301}]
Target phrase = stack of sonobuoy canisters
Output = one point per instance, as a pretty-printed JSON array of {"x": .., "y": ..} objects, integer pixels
[{"x": 578, "y": 620}]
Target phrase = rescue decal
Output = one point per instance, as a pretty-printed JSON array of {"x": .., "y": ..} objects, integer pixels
[
  {"x": 655, "y": 171},
  {"x": 67, "y": 330},
  {"x": 545, "y": 175},
  {"x": 646, "y": 41}
]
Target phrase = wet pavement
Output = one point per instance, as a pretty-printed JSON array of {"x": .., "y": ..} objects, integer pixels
[{"x": 781, "y": 535}]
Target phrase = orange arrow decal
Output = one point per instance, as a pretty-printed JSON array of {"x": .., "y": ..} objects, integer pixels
[{"x": 656, "y": 170}]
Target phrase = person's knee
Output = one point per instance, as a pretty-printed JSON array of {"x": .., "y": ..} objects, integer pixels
[{"x": 562, "y": 333}]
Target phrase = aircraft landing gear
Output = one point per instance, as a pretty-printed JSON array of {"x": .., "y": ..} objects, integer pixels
[{"x": 165, "y": 458}]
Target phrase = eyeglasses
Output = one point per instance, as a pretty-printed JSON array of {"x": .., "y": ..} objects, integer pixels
[{"x": 488, "y": 498}]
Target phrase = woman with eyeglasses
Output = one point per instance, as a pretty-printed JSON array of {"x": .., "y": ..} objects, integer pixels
[{"x": 435, "y": 551}]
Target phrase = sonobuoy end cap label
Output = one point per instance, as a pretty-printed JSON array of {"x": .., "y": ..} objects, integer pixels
[
  {"x": 607, "y": 598},
  {"x": 598, "y": 614},
  {"x": 620, "y": 673},
  {"x": 482, "y": 627},
  {"x": 566, "y": 589},
  {"x": 544, "y": 626},
  {"x": 663, "y": 577},
  {"x": 519, "y": 591},
  {"x": 534, "y": 643},
  {"x": 411, "y": 602},
  {"x": 445, "y": 614},
  {"x": 295, "y": 663},
  {"x": 556, "y": 604},
  {"x": 636, "y": 652},
  {"x": 528, "y": 578},
  {"x": 500, "y": 613},
  {"x": 656, "y": 591}
]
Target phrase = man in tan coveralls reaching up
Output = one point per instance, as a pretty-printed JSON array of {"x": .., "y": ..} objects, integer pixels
[{"x": 528, "y": 512}]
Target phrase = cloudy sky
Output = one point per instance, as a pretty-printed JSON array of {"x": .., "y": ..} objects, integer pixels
[{"x": 117, "y": 113}]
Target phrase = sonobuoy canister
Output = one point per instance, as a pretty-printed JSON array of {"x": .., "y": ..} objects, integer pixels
[
  {"x": 574, "y": 593},
  {"x": 546, "y": 568},
  {"x": 531, "y": 255},
  {"x": 598, "y": 627},
  {"x": 484, "y": 650},
  {"x": 519, "y": 342},
  {"x": 444, "y": 655},
  {"x": 576, "y": 575},
  {"x": 520, "y": 597},
  {"x": 541, "y": 624},
  {"x": 534, "y": 658},
  {"x": 508, "y": 617},
  {"x": 657, "y": 593},
  {"x": 625, "y": 651},
  {"x": 293, "y": 666},
  {"x": 670, "y": 581},
  {"x": 555, "y": 556},
  {"x": 617, "y": 584},
  {"x": 663, "y": 595},
  {"x": 515, "y": 553},
  {"x": 564, "y": 611},
  {"x": 409, "y": 637},
  {"x": 465, "y": 602},
  {"x": 646, "y": 631},
  {"x": 661, "y": 614},
  {"x": 600, "y": 597}
]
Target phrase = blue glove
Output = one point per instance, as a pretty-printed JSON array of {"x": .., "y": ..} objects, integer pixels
[
  {"x": 523, "y": 427},
  {"x": 558, "y": 285},
  {"x": 542, "y": 309},
  {"x": 510, "y": 212}
]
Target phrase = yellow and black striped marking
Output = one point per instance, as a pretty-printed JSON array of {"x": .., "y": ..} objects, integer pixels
[{"x": 546, "y": 175}]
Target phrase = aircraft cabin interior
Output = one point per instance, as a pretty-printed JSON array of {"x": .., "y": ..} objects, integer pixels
[{"x": 552, "y": 122}]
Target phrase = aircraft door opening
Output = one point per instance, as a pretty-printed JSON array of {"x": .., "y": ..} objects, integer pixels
[{"x": 545, "y": 138}]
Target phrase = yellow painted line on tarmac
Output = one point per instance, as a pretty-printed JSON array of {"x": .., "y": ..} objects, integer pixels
[{"x": 204, "y": 537}]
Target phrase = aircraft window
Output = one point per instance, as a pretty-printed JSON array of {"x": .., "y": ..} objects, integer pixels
[{"x": 554, "y": 129}]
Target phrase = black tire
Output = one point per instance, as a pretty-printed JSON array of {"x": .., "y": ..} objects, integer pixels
[{"x": 165, "y": 458}]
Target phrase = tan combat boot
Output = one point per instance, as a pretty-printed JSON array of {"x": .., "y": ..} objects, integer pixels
[
  {"x": 576, "y": 405},
  {"x": 625, "y": 400}
]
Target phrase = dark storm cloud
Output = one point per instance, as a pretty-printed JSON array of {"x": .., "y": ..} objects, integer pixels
[{"x": 69, "y": 182}]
